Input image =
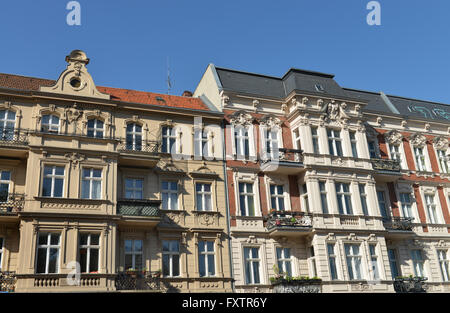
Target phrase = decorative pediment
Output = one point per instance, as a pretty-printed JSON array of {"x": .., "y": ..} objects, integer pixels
[
  {"x": 440, "y": 143},
  {"x": 270, "y": 121},
  {"x": 241, "y": 118},
  {"x": 76, "y": 80},
  {"x": 168, "y": 166},
  {"x": 393, "y": 137},
  {"x": 204, "y": 170},
  {"x": 417, "y": 140}
]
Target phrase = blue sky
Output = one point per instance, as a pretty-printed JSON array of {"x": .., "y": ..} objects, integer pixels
[{"x": 129, "y": 41}]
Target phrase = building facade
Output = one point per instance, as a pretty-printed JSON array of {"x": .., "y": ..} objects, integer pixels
[
  {"x": 124, "y": 186},
  {"x": 348, "y": 186}
]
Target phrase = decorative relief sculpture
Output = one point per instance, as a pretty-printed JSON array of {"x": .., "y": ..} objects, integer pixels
[
  {"x": 336, "y": 112},
  {"x": 241, "y": 118},
  {"x": 270, "y": 121},
  {"x": 393, "y": 137},
  {"x": 418, "y": 140},
  {"x": 440, "y": 143}
]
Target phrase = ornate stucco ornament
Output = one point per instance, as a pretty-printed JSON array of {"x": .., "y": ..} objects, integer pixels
[
  {"x": 270, "y": 121},
  {"x": 256, "y": 104},
  {"x": 440, "y": 143},
  {"x": 241, "y": 118},
  {"x": 418, "y": 140},
  {"x": 393, "y": 137},
  {"x": 225, "y": 100},
  {"x": 335, "y": 111}
]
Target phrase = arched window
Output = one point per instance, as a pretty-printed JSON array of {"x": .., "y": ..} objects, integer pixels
[
  {"x": 50, "y": 124},
  {"x": 134, "y": 137},
  {"x": 7, "y": 123},
  {"x": 95, "y": 128}
]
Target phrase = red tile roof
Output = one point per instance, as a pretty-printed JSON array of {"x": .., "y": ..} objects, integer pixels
[{"x": 117, "y": 94}]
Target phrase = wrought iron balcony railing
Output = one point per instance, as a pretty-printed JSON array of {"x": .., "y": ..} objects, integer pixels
[
  {"x": 144, "y": 146},
  {"x": 284, "y": 155},
  {"x": 398, "y": 223},
  {"x": 138, "y": 207},
  {"x": 386, "y": 165},
  {"x": 14, "y": 137},
  {"x": 7, "y": 281},
  {"x": 410, "y": 284},
  {"x": 282, "y": 219},
  {"x": 11, "y": 203},
  {"x": 138, "y": 280}
]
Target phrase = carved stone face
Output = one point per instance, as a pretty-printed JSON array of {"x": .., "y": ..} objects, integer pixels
[
  {"x": 440, "y": 143},
  {"x": 418, "y": 140},
  {"x": 394, "y": 137}
]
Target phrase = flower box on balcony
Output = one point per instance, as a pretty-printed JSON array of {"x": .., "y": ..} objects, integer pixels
[{"x": 296, "y": 285}]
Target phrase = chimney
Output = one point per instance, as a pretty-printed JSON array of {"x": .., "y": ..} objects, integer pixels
[{"x": 187, "y": 93}]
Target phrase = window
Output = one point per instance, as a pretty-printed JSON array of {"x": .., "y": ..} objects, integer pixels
[
  {"x": 334, "y": 142},
  {"x": 353, "y": 144},
  {"x": 297, "y": 140},
  {"x": 241, "y": 135},
  {"x": 418, "y": 263},
  {"x": 374, "y": 262},
  {"x": 5, "y": 177},
  {"x": 363, "y": 196},
  {"x": 201, "y": 143},
  {"x": 284, "y": 261},
  {"x": 315, "y": 140},
  {"x": 344, "y": 198},
  {"x": 171, "y": 258},
  {"x": 277, "y": 197},
  {"x": 395, "y": 152},
  {"x": 405, "y": 200},
  {"x": 393, "y": 263},
  {"x": 2, "y": 243},
  {"x": 252, "y": 262},
  {"x": 206, "y": 259},
  {"x": 382, "y": 203},
  {"x": 168, "y": 140},
  {"x": 323, "y": 196},
  {"x": 353, "y": 261},
  {"x": 89, "y": 252},
  {"x": 134, "y": 188},
  {"x": 50, "y": 124},
  {"x": 443, "y": 163},
  {"x": 48, "y": 253},
  {"x": 420, "y": 159},
  {"x": 272, "y": 144},
  {"x": 53, "y": 181},
  {"x": 312, "y": 262},
  {"x": 7, "y": 124},
  {"x": 246, "y": 199},
  {"x": 304, "y": 197},
  {"x": 134, "y": 137},
  {"x": 91, "y": 187},
  {"x": 169, "y": 195},
  {"x": 373, "y": 153},
  {"x": 332, "y": 261},
  {"x": 95, "y": 128},
  {"x": 444, "y": 264},
  {"x": 431, "y": 208},
  {"x": 133, "y": 254},
  {"x": 203, "y": 192}
]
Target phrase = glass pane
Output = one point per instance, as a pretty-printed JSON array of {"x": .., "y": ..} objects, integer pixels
[
  {"x": 57, "y": 192},
  {"x": 200, "y": 203},
  {"x": 138, "y": 261},
  {"x": 211, "y": 267},
  {"x": 93, "y": 261},
  {"x": 202, "y": 265},
  {"x": 83, "y": 260},
  {"x": 41, "y": 258},
  {"x": 95, "y": 240},
  {"x": 138, "y": 183},
  {"x": 97, "y": 173},
  {"x": 165, "y": 245},
  {"x": 138, "y": 245},
  {"x": 165, "y": 201},
  {"x": 84, "y": 239},
  {"x": 165, "y": 185},
  {"x": 48, "y": 170},
  {"x": 175, "y": 246},
  {"x": 173, "y": 186},
  {"x": 166, "y": 265},
  {"x": 6, "y": 175},
  {"x": 256, "y": 272},
  {"x": 59, "y": 170},
  {"x": 128, "y": 245},
  {"x": 176, "y": 265},
  {"x": 54, "y": 239},
  {"x": 128, "y": 261},
  {"x": 43, "y": 239},
  {"x": 130, "y": 127},
  {"x": 53, "y": 261},
  {"x": 210, "y": 246},
  {"x": 90, "y": 123},
  {"x": 208, "y": 203},
  {"x": 96, "y": 189},
  {"x": 173, "y": 201},
  {"x": 85, "y": 189},
  {"x": 251, "y": 207}
]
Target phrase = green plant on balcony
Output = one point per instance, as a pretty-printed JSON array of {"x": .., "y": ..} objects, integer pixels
[{"x": 282, "y": 277}]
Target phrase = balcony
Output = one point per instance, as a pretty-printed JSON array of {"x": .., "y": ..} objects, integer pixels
[
  {"x": 387, "y": 170},
  {"x": 144, "y": 153},
  {"x": 410, "y": 284},
  {"x": 138, "y": 281},
  {"x": 7, "y": 281},
  {"x": 297, "y": 285},
  {"x": 398, "y": 224},
  {"x": 139, "y": 211},
  {"x": 14, "y": 142},
  {"x": 11, "y": 203},
  {"x": 288, "y": 161},
  {"x": 288, "y": 223}
]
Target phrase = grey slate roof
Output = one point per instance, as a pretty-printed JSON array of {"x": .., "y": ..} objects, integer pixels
[{"x": 375, "y": 102}]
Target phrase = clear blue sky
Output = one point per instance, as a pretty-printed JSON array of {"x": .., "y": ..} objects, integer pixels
[{"x": 129, "y": 41}]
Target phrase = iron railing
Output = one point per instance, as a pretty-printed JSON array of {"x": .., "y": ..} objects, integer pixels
[
  {"x": 11, "y": 202},
  {"x": 142, "y": 146},
  {"x": 138, "y": 207},
  {"x": 14, "y": 136},
  {"x": 138, "y": 280},
  {"x": 288, "y": 219},
  {"x": 297, "y": 286},
  {"x": 410, "y": 284},
  {"x": 284, "y": 155},
  {"x": 399, "y": 223},
  {"x": 7, "y": 281}
]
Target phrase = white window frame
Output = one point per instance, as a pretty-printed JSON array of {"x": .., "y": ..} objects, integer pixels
[
  {"x": 169, "y": 133},
  {"x": 296, "y": 136},
  {"x": 395, "y": 260},
  {"x": 48, "y": 246},
  {"x": 444, "y": 263},
  {"x": 443, "y": 161},
  {"x": 363, "y": 198},
  {"x": 95, "y": 129},
  {"x": 172, "y": 253},
  {"x": 169, "y": 192},
  {"x": 420, "y": 159},
  {"x": 134, "y": 253},
  {"x": 335, "y": 257},
  {"x": 374, "y": 262},
  {"x": 53, "y": 176},
  {"x": 403, "y": 205},
  {"x": 386, "y": 211},
  {"x": 246, "y": 194},
  {"x": 277, "y": 196},
  {"x": 400, "y": 154},
  {"x": 203, "y": 194},
  {"x": 6, "y": 182},
  {"x": 201, "y": 143},
  {"x": 315, "y": 139},
  {"x": 333, "y": 139},
  {"x": 284, "y": 260},
  {"x": 433, "y": 210},
  {"x": 350, "y": 261},
  {"x": 342, "y": 194},
  {"x": 134, "y": 133},
  {"x": 88, "y": 246},
  {"x": 418, "y": 264},
  {"x": 51, "y": 127},
  {"x": 2, "y": 251},
  {"x": 7, "y": 132},
  {"x": 133, "y": 188},
  {"x": 252, "y": 260},
  {"x": 205, "y": 254},
  {"x": 323, "y": 193},
  {"x": 91, "y": 179},
  {"x": 353, "y": 144}
]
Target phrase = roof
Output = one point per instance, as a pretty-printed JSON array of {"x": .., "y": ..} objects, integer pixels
[{"x": 11, "y": 81}]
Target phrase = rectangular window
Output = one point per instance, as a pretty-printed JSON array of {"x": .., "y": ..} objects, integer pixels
[
  {"x": 89, "y": 253},
  {"x": 297, "y": 140},
  {"x": 363, "y": 196},
  {"x": 169, "y": 195},
  {"x": 315, "y": 140},
  {"x": 171, "y": 258},
  {"x": 272, "y": 144},
  {"x": 246, "y": 199},
  {"x": 133, "y": 254},
  {"x": 201, "y": 143},
  {"x": 47, "y": 259},
  {"x": 134, "y": 188},
  {"x": 277, "y": 197},
  {"x": 50, "y": 124},
  {"x": 241, "y": 135},
  {"x": 382, "y": 203},
  {"x": 431, "y": 209},
  {"x": 203, "y": 192},
  {"x": 372, "y": 149},
  {"x": 284, "y": 261},
  {"x": 323, "y": 196},
  {"x": 312, "y": 261},
  {"x": 444, "y": 264},
  {"x": 393, "y": 263},
  {"x": 395, "y": 152},
  {"x": 353, "y": 143},
  {"x": 353, "y": 258},
  {"x": 304, "y": 197},
  {"x": 95, "y": 128},
  {"x": 2, "y": 243},
  {"x": 252, "y": 264},
  {"x": 168, "y": 140},
  {"x": 443, "y": 163},
  {"x": 5, "y": 179},
  {"x": 420, "y": 159},
  {"x": 405, "y": 200},
  {"x": 206, "y": 259},
  {"x": 332, "y": 261},
  {"x": 53, "y": 181},
  {"x": 418, "y": 263},
  {"x": 334, "y": 142},
  {"x": 344, "y": 197},
  {"x": 374, "y": 262},
  {"x": 91, "y": 185}
]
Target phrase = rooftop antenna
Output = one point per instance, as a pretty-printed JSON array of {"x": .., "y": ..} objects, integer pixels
[{"x": 169, "y": 83}]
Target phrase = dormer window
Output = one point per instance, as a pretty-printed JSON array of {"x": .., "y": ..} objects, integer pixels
[
  {"x": 50, "y": 124},
  {"x": 319, "y": 88}
]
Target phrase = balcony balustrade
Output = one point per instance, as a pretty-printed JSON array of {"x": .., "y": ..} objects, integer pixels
[
  {"x": 287, "y": 161},
  {"x": 297, "y": 285},
  {"x": 11, "y": 202},
  {"x": 138, "y": 280},
  {"x": 292, "y": 220},
  {"x": 399, "y": 223},
  {"x": 7, "y": 281},
  {"x": 138, "y": 207},
  {"x": 410, "y": 284},
  {"x": 14, "y": 137},
  {"x": 142, "y": 147}
]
